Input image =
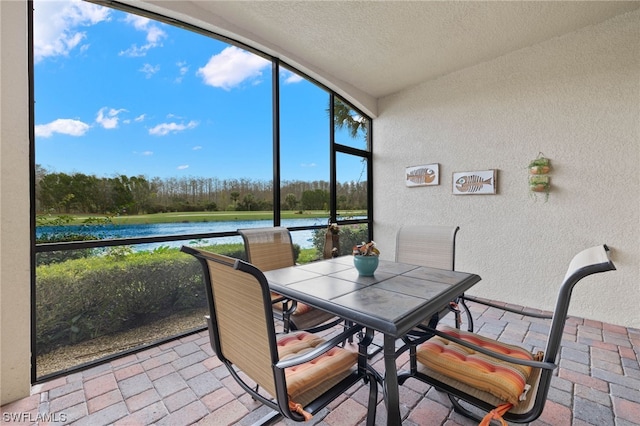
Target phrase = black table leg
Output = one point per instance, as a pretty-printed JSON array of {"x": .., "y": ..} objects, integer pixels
[{"x": 391, "y": 392}]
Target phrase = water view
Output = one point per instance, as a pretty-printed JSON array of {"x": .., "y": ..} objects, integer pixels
[{"x": 302, "y": 238}]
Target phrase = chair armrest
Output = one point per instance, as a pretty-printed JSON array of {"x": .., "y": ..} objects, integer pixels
[
  {"x": 319, "y": 350},
  {"x": 497, "y": 355},
  {"x": 505, "y": 308}
]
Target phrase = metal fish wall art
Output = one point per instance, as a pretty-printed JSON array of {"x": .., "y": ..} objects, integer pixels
[
  {"x": 424, "y": 174},
  {"x": 472, "y": 183},
  {"x": 481, "y": 182},
  {"x": 421, "y": 176}
]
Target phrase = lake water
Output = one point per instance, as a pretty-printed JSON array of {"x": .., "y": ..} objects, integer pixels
[{"x": 302, "y": 238}]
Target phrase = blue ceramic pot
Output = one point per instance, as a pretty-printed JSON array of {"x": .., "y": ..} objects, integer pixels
[{"x": 366, "y": 265}]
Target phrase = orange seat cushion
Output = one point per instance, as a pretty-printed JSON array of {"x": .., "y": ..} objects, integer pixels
[
  {"x": 505, "y": 380},
  {"x": 301, "y": 308},
  {"x": 301, "y": 378}
]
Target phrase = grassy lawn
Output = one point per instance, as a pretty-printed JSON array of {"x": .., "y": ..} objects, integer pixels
[{"x": 208, "y": 216}]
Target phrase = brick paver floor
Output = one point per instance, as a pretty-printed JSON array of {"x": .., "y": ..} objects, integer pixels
[{"x": 183, "y": 383}]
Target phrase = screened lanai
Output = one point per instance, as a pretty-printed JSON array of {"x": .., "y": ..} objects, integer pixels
[{"x": 469, "y": 86}]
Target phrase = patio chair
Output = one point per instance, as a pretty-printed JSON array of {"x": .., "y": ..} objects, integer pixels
[
  {"x": 272, "y": 248},
  {"x": 296, "y": 374},
  {"x": 506, "y": 381},
  {"x": 432, "y": 246}
]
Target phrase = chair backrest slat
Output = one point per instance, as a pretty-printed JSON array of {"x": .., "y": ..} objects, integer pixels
[
  {"x": 268, "y": 248},
  {"x": 427, "y": 245},
  {"x": 590, "y": 261},
  {"x": 241, "y": 318}
]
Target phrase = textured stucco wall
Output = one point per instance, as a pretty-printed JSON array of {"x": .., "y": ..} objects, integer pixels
[
  {"x": 14, "y": 204},
  {"x": 575, "y": 98}
]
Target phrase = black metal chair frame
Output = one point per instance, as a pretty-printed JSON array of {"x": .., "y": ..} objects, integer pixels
[
  {"x": 280, "y": 401},
  {"x": 588, "y": 262}
]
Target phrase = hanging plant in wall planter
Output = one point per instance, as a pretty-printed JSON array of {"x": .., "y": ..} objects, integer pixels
[
  {"x": 540, "y": 166},
  {"x": 539, "y": 184},
  {"x": 539, "y": 180}
]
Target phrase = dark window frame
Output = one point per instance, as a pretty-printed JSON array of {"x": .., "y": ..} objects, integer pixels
[{"x": 335, "y": 149}]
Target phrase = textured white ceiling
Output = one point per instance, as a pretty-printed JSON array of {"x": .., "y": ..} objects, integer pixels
[{"x": 367, "y": 50}]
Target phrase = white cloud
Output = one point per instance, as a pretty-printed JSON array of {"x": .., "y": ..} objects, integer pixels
[
  {"x": 154, "y": 36},
  {"x": 290, "y": 77},
  {"x": 146, "y": 153},
  {"x": 138, "y": 22},
  {"x": 184, "y": 166},
  {"x": 166, "y": 128},
  {"x": 140, "y": 118},
  {"x": 183, "y": 68},
  {"x": 65, "y": 126},
  {"x": 197, "y": 148},
  {"x": 108, "y": 117},
  {"x": 149, "y": 70},
  {"x": 308, "y": 165},
  {"x": 231, "y": 67},
  {"x": 56, "y": 26},
  {"x": 134, "y": 51}
]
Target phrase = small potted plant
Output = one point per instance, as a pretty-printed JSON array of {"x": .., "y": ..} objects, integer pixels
[
  {"x": 365, "y": 258},
  {"x": 538, "y": 176},
  {"x": 538, "y": 183},
  {"x": 539, "y": 166}
]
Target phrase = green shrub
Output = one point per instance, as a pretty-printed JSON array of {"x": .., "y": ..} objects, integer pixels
[
  {"x": 89, "y": 231},
  {"x": 45, "y": 258},
  {"x": 85, "y": 298}
]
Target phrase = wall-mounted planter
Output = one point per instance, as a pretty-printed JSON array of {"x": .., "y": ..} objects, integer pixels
[
  {"x": 539, "y": 181},
  {"x": 539, "y": 170},
  {"x": 540, "y": 166}
]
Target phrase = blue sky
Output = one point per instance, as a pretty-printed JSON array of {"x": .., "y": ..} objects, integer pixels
[{"x": 120, "y": 94}]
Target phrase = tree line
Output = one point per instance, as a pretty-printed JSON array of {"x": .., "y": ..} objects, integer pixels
[{"x": 78, "y": 193}]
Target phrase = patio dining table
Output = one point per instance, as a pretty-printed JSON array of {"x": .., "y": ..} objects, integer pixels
[{"x": 392, "y": 301}]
